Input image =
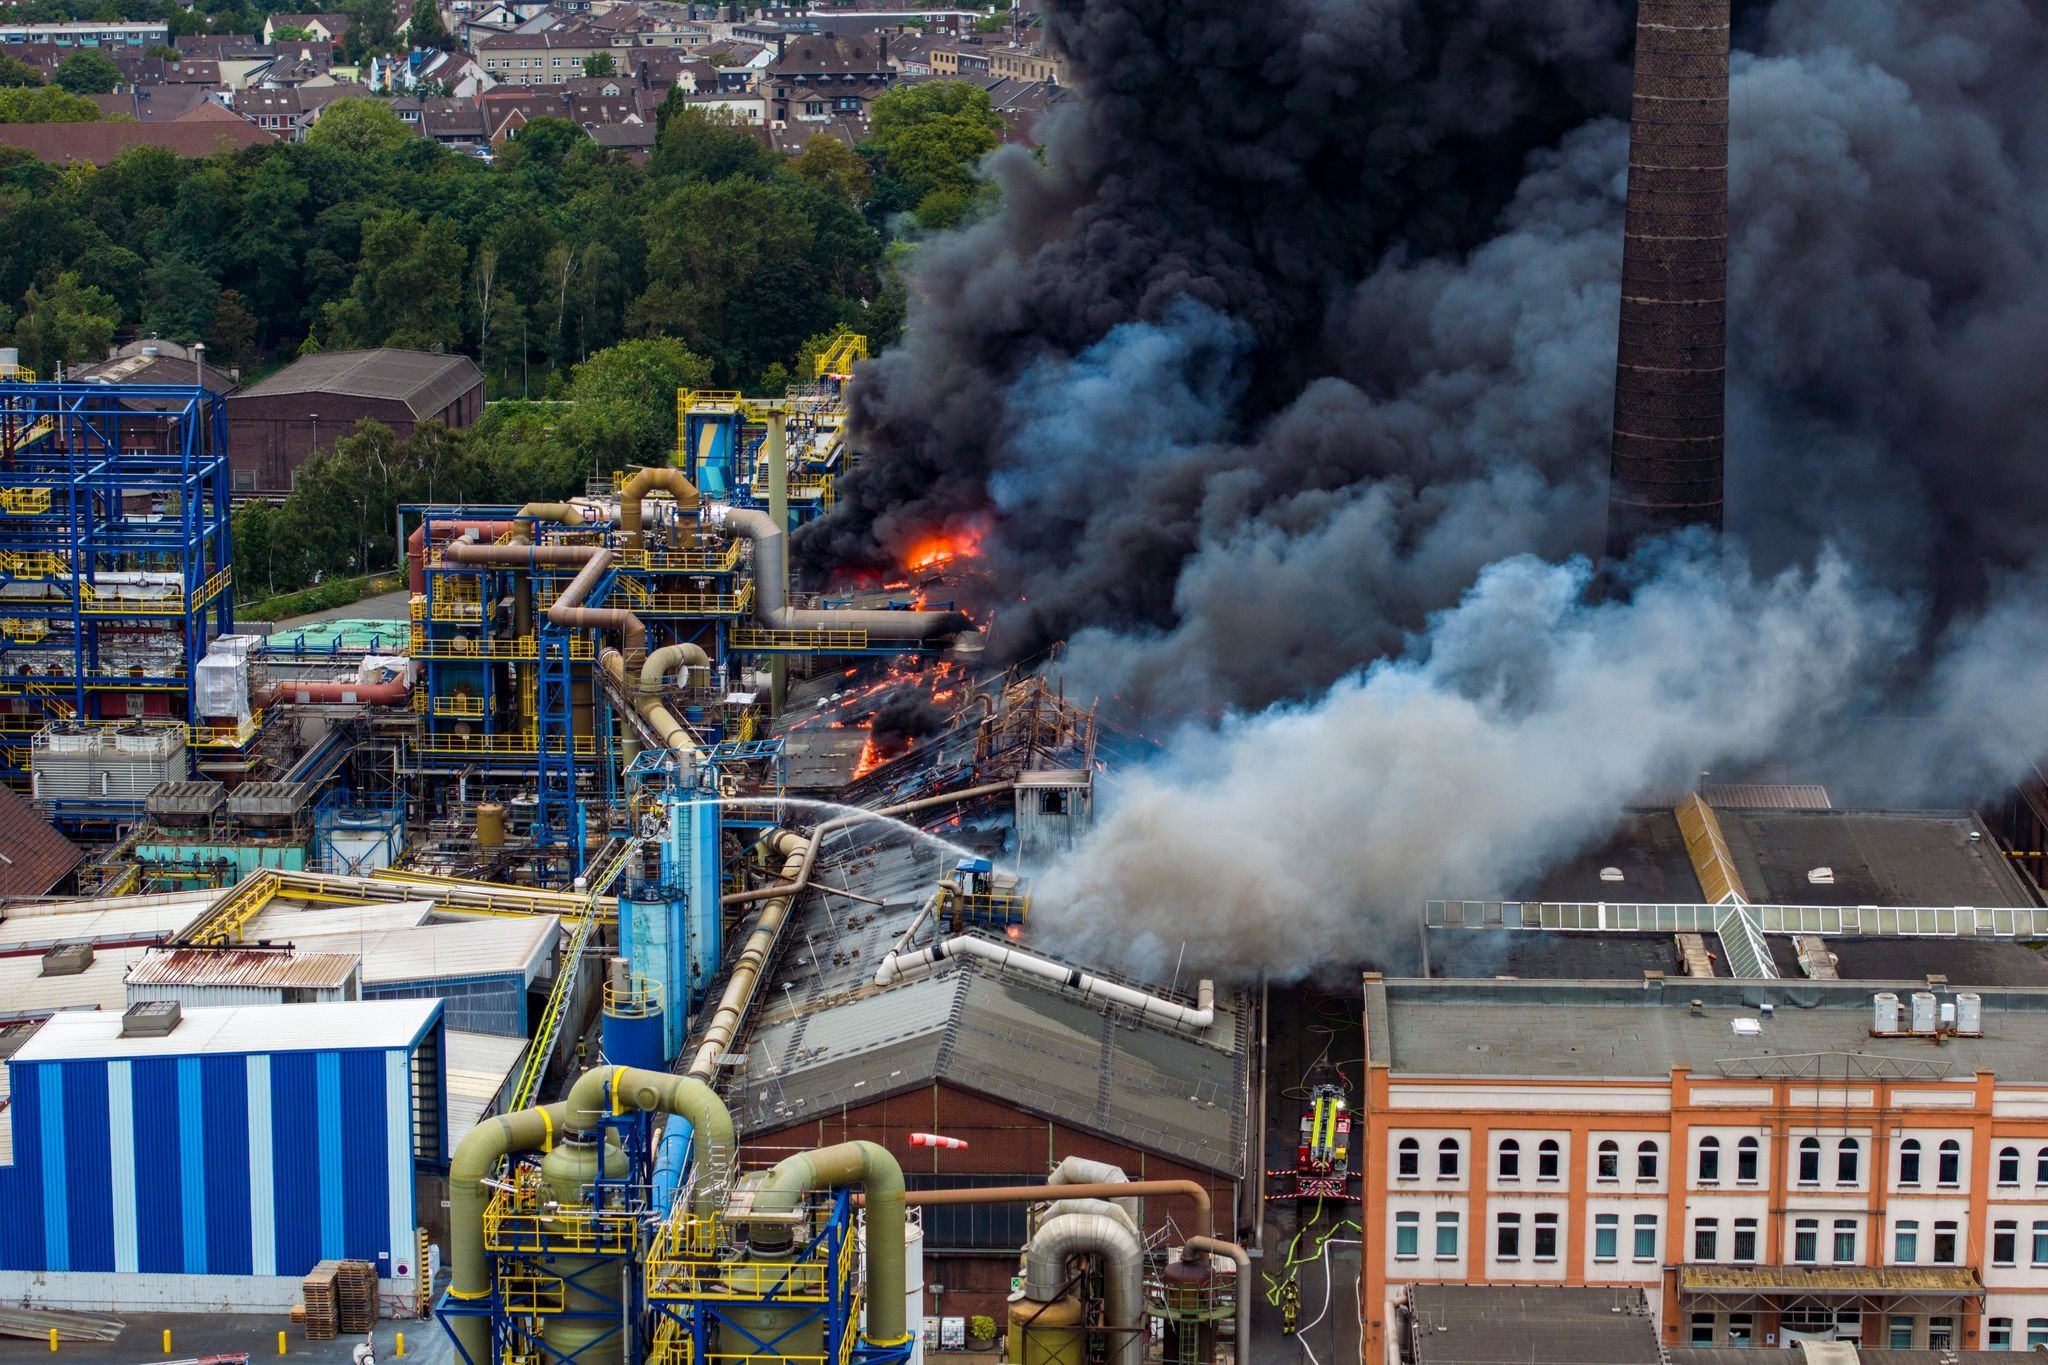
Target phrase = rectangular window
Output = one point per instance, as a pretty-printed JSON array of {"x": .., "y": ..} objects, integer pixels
[
  {"x": 1745, "y": 1239},
  {"x": 1607, "y": 1237},
  {"x": 2005, "y": 1242},
  {"x": 1546, "y": 1236},
  {"x": 1845, "y": 1241},
  {"x": 1906, "y": 1243},
  {"x": 2040, "y": 1256},
  {"x": 1941, "y": 1334},
  {"x": 1703, "y": 1329},
  {"x": 1546, "y": 1160},
  {"x": 1900, "y": 1336},
  {"x": 1646, "y": 1237},
  {"x": 2037, "y": 1333},
  {"x": 1739, "y": 1329},
  {"x": 1945, "y": 1243},
  {"x": 1447, "y": 1236},
  {"x": 1507, "y": 1237},
  {"x": 1407, "y": 1236},
  {"x": 1745, "y": 1162},
  {"x": 1706, "y": 1239},
  {"x": 1806, "y": 1241},
  {"x": 1998, "y": 1334}
]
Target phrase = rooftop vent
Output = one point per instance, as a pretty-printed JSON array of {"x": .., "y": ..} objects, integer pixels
[
  {"x": 1821, "y": 876},
  {"x": 1746, "y": 1028},
  {"x": 1611, "y": 874},
  {"x": 150, "y": 1019},
  {"x": 67, "y": 959}
]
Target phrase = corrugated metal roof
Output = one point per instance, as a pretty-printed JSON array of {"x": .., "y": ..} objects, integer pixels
[
  {"x": 431, "y": 952},
  {"x": 1461, "y": 1324},
  {"x": 25, "y": 993},
  {"x": 1846, "y": 1279},
  {"x": 33, "y": 856},
  {"x": 242, "y": 967},
  {"x": 280, "y": 922},
  {"x": 1767, "y": 796},
  {"x": 23, "y": 930},
  {"x": 424, "y": 381},
  {"x": 364, "y": 1024},
  {"x": 478, "y": 1066}
]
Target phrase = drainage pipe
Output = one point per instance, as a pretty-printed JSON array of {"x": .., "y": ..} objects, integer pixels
[
  {"x": 745, "y": 976},
  {"x": 880, "y": 1178},
  {"x": 1004, "y": 957},
  {"x": 1195, "y": 1248},
  {"x": 1059, "y": 1240},
  {"x": 771, "y": 591},
  {"x": 476, "y": 1157},
  {"x": 614, "y": 1090},
  {"x": 636, "y": 488}
]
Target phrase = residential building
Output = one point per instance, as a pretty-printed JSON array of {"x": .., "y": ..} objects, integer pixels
[
  {"x": 85, "y": 34},
  {"x": 96, "y": 144},
  {"x": 1020, "y": 63},
  {"x": 325, "y": 28},
  {"x": 457, "y": 123},
  {"x": 152, "y": 103},
  {"x": 274, "y": 425},
  {"x": 818, "y": 79},
  {"x": 1766, "y": 1162}
]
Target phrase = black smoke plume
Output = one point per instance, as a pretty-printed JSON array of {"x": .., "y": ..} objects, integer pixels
[{"x": 902, "y": 718}]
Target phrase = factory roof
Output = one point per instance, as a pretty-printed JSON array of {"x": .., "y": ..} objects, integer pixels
[
  {"x": 425, "y": 381},
  {"x": 1625, "y": 1031},
  {"x": 1967, "y": 962},
  {"x": 25, "y": 993},
  {"x": 36, "y": 857},
  {"x": 1544, "y": 955},
  {"x": 478, "y": 1065},
  {"x": 1457, "y": 1324},
  {"x": 242, "y": 967},
  {"x": 1647, "y": 850},
  {"x": 1871, "y": 858},
  {"x": 290, "y": 922},
  {"x": 1744, "y": 1355},
  {"x": 442, "y": 952},
  {"x": 352, "y": 1025},
  {"x": 127, "y": 919}
]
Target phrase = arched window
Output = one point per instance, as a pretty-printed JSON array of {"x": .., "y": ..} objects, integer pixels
[
  {"x": 1909, "y": 1162},
  {"x": 1447, "y": 1159},
  {"x": 1608, "y": 1160},
  {"x": 1809, "y": 1161},
  {"x": 1745, "y": 1161},
  {"x": 1848, "y": 1161},
  {"x": 1710, "y": 1160},
  {"x": 1646, "y": 1161},
  {"x": 1547, "y": 1152},
  {"x": 1408, "y": 1159},
  {"x": 1949, "y": 1164},
  {"x": 1509, "y": 1161},
  {"x": 2008, "y": 1165}
]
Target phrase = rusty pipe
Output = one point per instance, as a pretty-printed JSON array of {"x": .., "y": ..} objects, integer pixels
[
  {"x": 416, "y": 545},
  {"x": 391, "y": 693},
  {"x": 1242, "y": 1295}
]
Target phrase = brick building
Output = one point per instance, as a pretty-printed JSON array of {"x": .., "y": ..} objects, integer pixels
[{"x": 274, "y": 425}]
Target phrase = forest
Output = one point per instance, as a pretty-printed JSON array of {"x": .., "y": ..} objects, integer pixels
[{"x": 587, "y": 288}]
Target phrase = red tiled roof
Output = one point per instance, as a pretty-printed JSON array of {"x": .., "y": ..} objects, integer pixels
[
  {"x": 37, "y": 856},
  {"x": 63, "y": 144}
]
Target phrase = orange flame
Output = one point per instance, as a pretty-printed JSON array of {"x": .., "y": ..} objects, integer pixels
[
  {"x": 869, "y": 759},
  {"x": 943, "y": 548}
]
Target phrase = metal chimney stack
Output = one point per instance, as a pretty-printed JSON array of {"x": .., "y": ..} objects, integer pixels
[{"x": 1670, "y": 379}]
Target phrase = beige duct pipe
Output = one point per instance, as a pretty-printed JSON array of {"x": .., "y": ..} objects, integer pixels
[
  {"x": 674, "y": 481},
  {"x": 673, "y": 734},
  {"x": 476, "y": 1157},
  {"x": 771, "y": 591},
  {"x": 1242, "y": 1295},
  {"x": 1006, "y": 957},
  {"x": 880, "y": 1178},
  {"x": 1059, "y": 1240},
  {"x": 613, "y": 1090},
  {"x": 568, "y": 514},
  {"x": 740, "y": 983},
  {"x": 567, "y": 610},
  {"x": 1080, "y": 1170}
]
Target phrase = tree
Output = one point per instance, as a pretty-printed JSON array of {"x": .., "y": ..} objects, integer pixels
[
  {"x": 707, "y": 146},
  {"x": 832, "y": 165},
  {"x": 642, "y": 378},
  {"x": 232, "y": 337},
  {"x": 163, "y": 52},
  {"x": 45, "y": 104},
  {"x": 88, "y": 73},
  {"x": 600, "y": 64},
  {"x": 290, "y": 33},
  {"x": 65, "y": 323},
  {"x": 358, "y": 126},
  {"x": 16, "y": 73},
  {"x": 931, "y": 137},
  {"x": 181, "y": 299},
  {"x": 407, "y": 289},
  {"x": 425, "y": 28},
  {"x": 372, "y": 25},
  {"x": 544, "y": 142}
]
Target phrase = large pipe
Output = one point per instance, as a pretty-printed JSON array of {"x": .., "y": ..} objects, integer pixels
[
  {"x": 771, "y": 591},
  {"x": 745, "y": 976},
  {"x": 1242, "y": 1296},
  {"x": 1005, "y": 957},
  {"x": 1059, "y": 1240},
  {"x": 591, "y": 563},
  {"x": 832, "y": 826},
  {"x": 476, "y": 1157},
  {"x": 1079, "y": 1170},
  {"x": 1032, "y": 1194},
  {"x": 880, "y": 1179},
  {"x": 416, "y": 545},
  {"x": 636, "y": 488},
  {"x": 391, "y": 693},
  {"x": 614, "y": 1090}
]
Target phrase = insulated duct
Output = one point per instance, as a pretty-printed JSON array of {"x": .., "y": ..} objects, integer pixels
[
  {"x": 392, "y": 693},
  {"x": 1195, "y": 1018},
  {"x": 1670, "y": 384},
  {"x": 618, "y": 1089},
  {"x": 1059, "y": 1240},
  {"x": 771, "y": 591},
  {"x": 869, "y": 1166},
  {"x": 476, "y": 1158},
  {"x": 635, "y": 489},
  {"x": 1079, "y": 1170},
  {"x": 416, "y": 545}
]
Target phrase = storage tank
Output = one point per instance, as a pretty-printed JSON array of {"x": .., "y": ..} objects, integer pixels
[
  {"x": 567, "y": 1173},
  {"x": 1187, "y": 1304},
  {"x": 490, "y": 825},
  {"x": 633, "y": 1023},
  {"x": 1924, "y": 1012},
  {"x": 1884, "y": 1012},
  {"x": 1046, "y": 1333},
  {"x": 798, "y": 1332},
  {"x": 1969, "y": 1013}
]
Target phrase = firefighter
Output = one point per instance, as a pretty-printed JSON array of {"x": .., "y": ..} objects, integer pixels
[{"x": 1290, "y": 1306}]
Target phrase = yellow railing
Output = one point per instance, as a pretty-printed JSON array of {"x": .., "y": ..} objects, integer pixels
[
  {"x": 685, "y": 561},
  {"x": 459, "y": 704},
  {"x": 687, "y": 1261},
  {"x": 231, "y": 737},
  {"x": 696, "y": 603},
  {"x": 638, "y": 999},
  {"x": 600, "y": 880},
  {"x": 515, "y": 1221},
  {"x": 531, "y": 1293},
  {"x": 839, "y": 356},
  {"x": 95, "y": 602},
  {"x": 24, "y": 501},
  {"x": 32, "y": 563},
  {"x": 751, "y": 637},
  {"x": 23, "y": 630},
  {"x": 18, "y": 374},
  {"x": 520, "y": 743},
  {"x": 672, "y": 1344},
  {"x": 500, "y": 647},
  {"x": 416, "y": 607},
  {"x": 224, "y": 923}
]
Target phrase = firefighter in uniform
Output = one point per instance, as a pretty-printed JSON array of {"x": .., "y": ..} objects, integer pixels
[{"x": 1290, "y": 1306}]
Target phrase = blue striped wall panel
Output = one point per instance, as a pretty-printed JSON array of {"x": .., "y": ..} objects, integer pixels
[
  {"x": 295, "y": 1161},
  {"x": 89, "y": 1198},
  {"x": 224, "y": 1084},
  {"x": 159, "y": 1173},
  {"x": 364, "y": 1162},
  {"x": 21, "y": 1232},
  {"x": 50, "y": 1118}
]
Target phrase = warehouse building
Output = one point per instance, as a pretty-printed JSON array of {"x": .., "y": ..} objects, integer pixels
[{"x": 210, "y": 1157}]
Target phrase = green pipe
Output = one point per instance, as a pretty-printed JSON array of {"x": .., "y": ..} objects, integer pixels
[
  {"x": 476, "y": 1158},
  {"x": 616, "y": 1089},
  {"x": 869, "y": 1166}
]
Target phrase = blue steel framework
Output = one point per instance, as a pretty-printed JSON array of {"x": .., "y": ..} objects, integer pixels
[{"x": 99, "y": 484}]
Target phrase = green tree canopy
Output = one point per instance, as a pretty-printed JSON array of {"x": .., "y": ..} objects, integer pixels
[
  {"x": 930, "y": 138},
  {"x": 88, "y": 73},
  {"x": 65, "y": 323},
  {"x": 14, "y": 72},
  {"x": 359, "y": 125},
  {"x": 706, "y": 145},
  {"x": 635, "y": 377},
  {"x": 600, "y": 64},
  {"x": 45, "y": 104},
  {"x": 832, "y": 165},
  {"x": 181, "y": 298},
  {"x": 425, "y": 28}
]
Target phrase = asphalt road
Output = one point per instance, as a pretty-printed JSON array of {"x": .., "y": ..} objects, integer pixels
[{"x": 203, "y": 1334}]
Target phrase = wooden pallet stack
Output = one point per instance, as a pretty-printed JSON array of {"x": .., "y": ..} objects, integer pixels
[
  {"x": 323, "y": 1301},
  {"x": 356, "y": 1286}
]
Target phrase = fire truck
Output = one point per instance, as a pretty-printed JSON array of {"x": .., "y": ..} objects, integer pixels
[{"x": 1322, "y": 1164}]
